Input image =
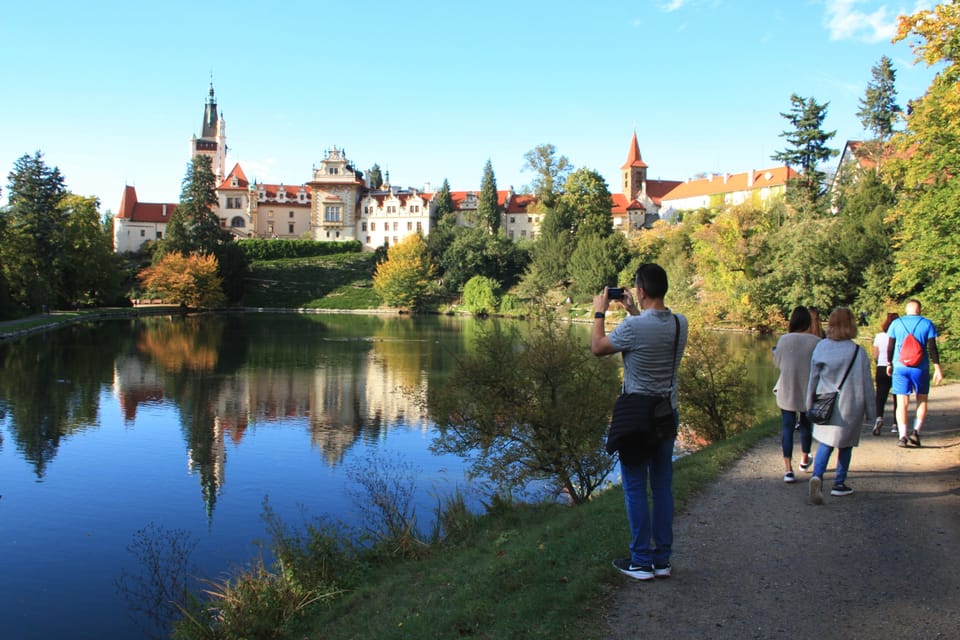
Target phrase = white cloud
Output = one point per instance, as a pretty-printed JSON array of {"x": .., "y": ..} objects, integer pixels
[
  {"x": 845, "y": 21},
  {"x": 673, "y": 5}
]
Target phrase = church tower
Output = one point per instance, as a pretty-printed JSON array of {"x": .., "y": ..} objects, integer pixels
[
  {"x": 213, "y": 138},
  {"x": 634, "y": 172}
]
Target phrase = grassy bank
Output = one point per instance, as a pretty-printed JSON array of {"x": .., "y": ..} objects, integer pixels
[
  {"x": 342, "y": 281},
  {"x": 528, "y": 572}
]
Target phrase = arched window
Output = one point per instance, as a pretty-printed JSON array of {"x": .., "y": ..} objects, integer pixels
[{"x": 237, "y": 222}]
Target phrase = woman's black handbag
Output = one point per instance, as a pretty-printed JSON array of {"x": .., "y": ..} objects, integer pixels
[
  {"x": 824, "y": 403},
  {"x": 640, "y": 422}
]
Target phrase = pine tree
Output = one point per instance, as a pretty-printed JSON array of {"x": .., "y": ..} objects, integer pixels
[
  {"x": 488, "y": 209},
  {"x": 808, "y": 148},
  {"x": 878, "y": 108},
  {"x": 33, "y": 239},
  {"x": 194, "y": 227},
  {"x": 444, "y": 202}
]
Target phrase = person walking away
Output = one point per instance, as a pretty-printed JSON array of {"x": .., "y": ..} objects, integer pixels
[
  {"x": 914, "y": 377},
  {"x": 881, "y": 375},
  {"x": 651, "y": 346},
  {"x": 792, "y": 357},
  {"x": 839, "y": 363}
]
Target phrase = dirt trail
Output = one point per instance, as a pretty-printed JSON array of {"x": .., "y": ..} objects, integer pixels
[{"x": 754, "y": 559}]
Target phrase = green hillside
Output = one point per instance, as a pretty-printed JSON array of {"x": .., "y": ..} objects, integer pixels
[{"x": 340, "y": 281}]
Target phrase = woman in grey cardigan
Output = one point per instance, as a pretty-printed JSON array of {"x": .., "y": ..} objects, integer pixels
[
  {"x": 855, "y": 403},
  {"x": 792, "y": 357}
]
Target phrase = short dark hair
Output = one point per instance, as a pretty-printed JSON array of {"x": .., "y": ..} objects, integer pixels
[
  {"x": 800, "y": 319},
  {"x": 653, "y": 279}
]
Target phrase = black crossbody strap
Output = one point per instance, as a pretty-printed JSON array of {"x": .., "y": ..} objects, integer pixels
[{"x": 856, "y": 350}]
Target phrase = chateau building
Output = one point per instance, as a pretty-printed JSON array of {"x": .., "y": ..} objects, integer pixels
[
  {"x": 337, "y": 204},
  {"x": 759, "y": 188}
]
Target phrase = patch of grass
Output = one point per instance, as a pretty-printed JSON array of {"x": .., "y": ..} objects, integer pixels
[
  {"x": 538, "y": 571},
  {"x": 342, "y": 281}
]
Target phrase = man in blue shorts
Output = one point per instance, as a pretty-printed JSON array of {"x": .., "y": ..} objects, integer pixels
[{"x": 915, "y": 379}]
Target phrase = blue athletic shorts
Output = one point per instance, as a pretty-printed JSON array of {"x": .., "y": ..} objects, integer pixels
[{"x": 907, "y": 380}]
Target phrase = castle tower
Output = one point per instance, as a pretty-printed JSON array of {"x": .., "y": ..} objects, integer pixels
[
  {"x": 213, "y": 138},
  {"x": 336, "y": 193},
  {"x": 634, "y": 172}
]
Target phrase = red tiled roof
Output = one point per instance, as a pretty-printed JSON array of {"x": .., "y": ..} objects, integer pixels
[
  {"x": 135, "y": 211},
  {"x": 656, "y": 189},
  {"x": 520, "y": 203},
  {"x": 714, "y": 185},
  {"x": 236, "y": 172}
]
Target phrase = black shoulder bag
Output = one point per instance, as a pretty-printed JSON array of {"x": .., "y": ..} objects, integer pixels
[
  {"x": 824, "y": 403},
  {"x": 639, "y": 421}
]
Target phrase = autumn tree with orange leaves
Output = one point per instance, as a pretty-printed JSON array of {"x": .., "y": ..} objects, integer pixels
[{"x": 190, "y": 281}]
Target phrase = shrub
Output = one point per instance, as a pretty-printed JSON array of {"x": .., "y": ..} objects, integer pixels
[
  {"x": 480, "y": 295},
  {"x": 715, "y": 394}
]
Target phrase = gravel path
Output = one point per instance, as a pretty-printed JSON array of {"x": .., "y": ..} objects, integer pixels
[{"x": 754, "y": 559}]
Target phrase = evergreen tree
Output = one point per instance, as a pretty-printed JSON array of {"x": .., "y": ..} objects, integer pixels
[
  {"x": 807, "y": 148},
  {"x": 878, "y": 108},
  {"x": 444, "y": 203},
  {"x": 194, "y": 227},
  {"x": 32, "y": 244},
  {"x": 376, "y": 177},
  {"x": 488, "y": 209}
]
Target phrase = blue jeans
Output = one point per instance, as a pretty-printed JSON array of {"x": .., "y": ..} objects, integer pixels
[
  {"x": 843, "y": 462},
  {"x": 660, "y": 468},
  {"x": 790, "y": 421}
]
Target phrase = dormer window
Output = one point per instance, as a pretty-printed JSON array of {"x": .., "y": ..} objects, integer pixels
[{"x": 234, "y": 182}]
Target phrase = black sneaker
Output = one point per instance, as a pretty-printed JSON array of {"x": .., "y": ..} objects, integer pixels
[
  {"x": 661, "y": 570},
  {"x": 902, "y": 442},
  {"x": 638, "y": 572},
  {"x": 915, "y": 438},
  {"x": 840, "y": 490}
]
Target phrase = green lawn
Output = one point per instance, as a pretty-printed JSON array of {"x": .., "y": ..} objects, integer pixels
[{"x": 342, "y": 281}]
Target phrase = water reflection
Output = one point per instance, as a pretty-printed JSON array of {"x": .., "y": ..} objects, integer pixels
[{"x": 346, "y": 377}]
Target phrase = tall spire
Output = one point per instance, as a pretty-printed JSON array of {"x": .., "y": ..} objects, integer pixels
[
  {"x": 633, "y": 156},
  {"x": 210, "y": 116}
]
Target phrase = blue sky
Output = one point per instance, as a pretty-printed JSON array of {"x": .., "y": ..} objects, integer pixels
[{"x": 111, "y": 92}]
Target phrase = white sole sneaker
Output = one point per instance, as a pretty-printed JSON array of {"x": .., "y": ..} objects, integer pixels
[{"x": 816, "y": 496}]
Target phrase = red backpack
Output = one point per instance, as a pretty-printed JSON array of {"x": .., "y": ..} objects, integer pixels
[{"x": 911, "y": 351}]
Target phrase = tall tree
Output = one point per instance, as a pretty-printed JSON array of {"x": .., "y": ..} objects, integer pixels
[
  {"x": 375, "y": 176},
  {"x": 928, "y": 214},
  {"x": 31, "y": 248},
  {"x": 92, "y": 272},
  {"x": 879, "y": 110},
  {"x": 587, "y": 203},
  {"x": 807, "y": 148},
  {"x": 878, "y": 107},
  {"x": 444, "y": 202},
  {"x": 194, "y": 227},
  {"x": 488, "y": 207},
  {"x": 550, "y": 173}
]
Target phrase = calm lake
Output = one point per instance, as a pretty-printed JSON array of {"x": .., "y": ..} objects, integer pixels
[{"x": 186, "y": 424}]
